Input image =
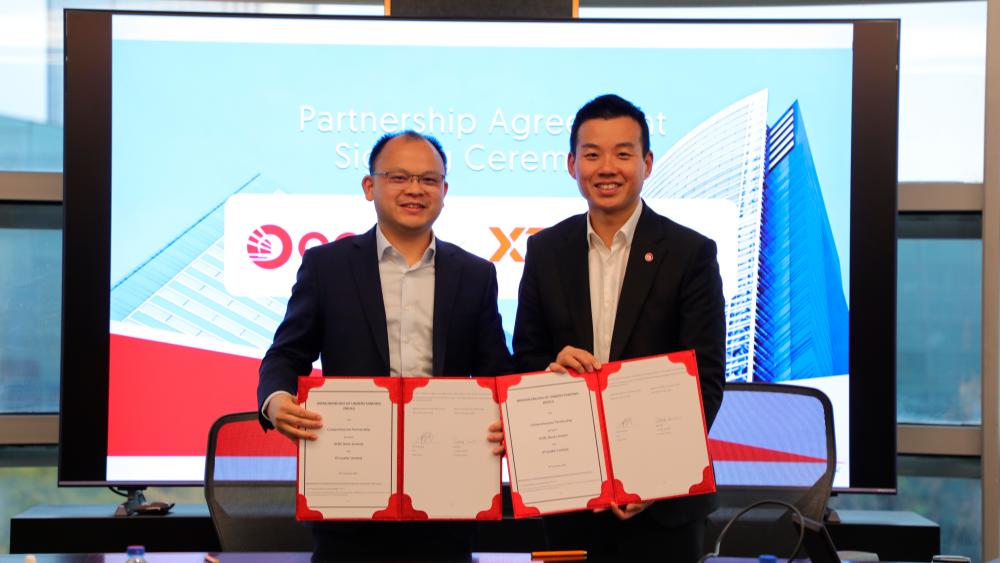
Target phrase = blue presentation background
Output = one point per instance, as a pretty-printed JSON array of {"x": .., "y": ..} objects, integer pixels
[{"x": 194, "y": 121}]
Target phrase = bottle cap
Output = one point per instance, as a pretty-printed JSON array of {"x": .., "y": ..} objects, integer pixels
[
  {"x": 767, "y": 559},
  {"x": 136, "y": 550}
]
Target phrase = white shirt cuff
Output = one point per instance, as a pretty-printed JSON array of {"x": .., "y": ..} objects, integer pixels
[{"x": 263, "y": 409}]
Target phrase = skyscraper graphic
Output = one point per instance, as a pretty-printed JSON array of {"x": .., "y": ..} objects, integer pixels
[
  {"x": 180, "y": 289},
  {"x": 724, "y": 157},
  {"x": 802, "y": 315},
  {"x": 787, "y": 318}
]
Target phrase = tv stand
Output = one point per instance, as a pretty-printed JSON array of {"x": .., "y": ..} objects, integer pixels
[
  {"x": 92, "y": 528},
  {"x": 134, "y": 499}
]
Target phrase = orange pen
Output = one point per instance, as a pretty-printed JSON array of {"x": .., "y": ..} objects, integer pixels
[{"x": 564, "y": 554}]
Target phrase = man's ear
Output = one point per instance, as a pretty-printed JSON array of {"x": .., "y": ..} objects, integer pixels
[
  {"x": 571, "y": 165},
  {"x": 368, "y": 185}
]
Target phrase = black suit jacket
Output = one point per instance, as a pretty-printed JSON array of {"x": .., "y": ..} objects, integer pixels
[
  {"x": 336, "y": 313},
  {"x": 673, "y": 302}
]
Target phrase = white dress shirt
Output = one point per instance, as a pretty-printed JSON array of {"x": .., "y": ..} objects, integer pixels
[
  {"x": 607, "y": 273},
  {"x": 408, "y": 295}
]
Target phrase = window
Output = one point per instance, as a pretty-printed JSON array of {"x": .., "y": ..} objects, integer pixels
[
  {"x": 939, "y": 319},
  {"x": 31, "y": 55},
  {"x": 30, "y": 306},
  {"x": 942, "y": 75}
]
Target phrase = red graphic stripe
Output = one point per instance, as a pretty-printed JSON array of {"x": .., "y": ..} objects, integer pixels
[
  {"x": 163, "y": 398},
  {"x": 249, "y": 439},
  {"x": 732, "y": 451}
]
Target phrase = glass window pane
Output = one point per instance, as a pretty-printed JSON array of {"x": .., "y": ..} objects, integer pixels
[
  {"x": 31, "y": 57},
  {"x": 942, "y": 75},
  {"x": 939, "y": 320},
  {"x": 30, "y": 306}
]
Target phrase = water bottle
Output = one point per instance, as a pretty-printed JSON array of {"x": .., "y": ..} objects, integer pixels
[{"x": 136, "y": 554}]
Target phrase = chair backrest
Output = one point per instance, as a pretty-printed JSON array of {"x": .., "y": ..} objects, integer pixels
[
  {"x": 250, "y": 487},
  {"x": 771, "y": 442}
]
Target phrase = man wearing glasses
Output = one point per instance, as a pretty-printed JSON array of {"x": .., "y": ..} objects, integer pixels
[{"x": 393, "y": 301}]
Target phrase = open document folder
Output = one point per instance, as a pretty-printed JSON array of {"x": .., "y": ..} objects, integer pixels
[
  {"x": 415, "y": 448},
  {"x": 392, "y": 448},
  {"x": 633, "y": 431}
]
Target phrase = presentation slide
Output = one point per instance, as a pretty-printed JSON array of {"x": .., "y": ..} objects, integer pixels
[{"x": 237, "y": 143}]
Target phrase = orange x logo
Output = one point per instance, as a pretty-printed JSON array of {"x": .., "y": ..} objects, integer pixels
[{"x": 507, "y": 242}]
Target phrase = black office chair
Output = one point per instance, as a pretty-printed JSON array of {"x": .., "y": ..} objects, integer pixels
[
  {"x": 250, "y": 487},
  {"x": 769, "y": 433}
]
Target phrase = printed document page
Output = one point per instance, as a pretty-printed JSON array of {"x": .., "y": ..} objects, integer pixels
[
  {"x": 350, "y": 470},
  {"x": 656, "y": 431},
  {"x": 553, "y": 435},
  {"x": 449, "y": 469}
]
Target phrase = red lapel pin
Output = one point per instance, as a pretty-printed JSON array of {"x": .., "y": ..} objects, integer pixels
[{"x": 649, "y": 257}]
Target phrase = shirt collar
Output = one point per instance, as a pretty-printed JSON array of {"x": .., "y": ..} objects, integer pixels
[
  {"x": 382, "y": 245},
  {"x": 627, "y": 230}
]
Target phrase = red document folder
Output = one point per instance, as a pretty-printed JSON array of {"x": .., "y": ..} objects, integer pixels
[
  {"x": 633, "y": 431},
  {"x": 393, "y": 448}
]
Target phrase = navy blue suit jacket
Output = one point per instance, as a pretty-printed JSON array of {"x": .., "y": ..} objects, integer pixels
[
  {"x": 336, "y": 313},
  {"x": 672, "y": 302}
]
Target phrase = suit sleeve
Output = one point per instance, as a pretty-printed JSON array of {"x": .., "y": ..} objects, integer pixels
[
  {"x": 493, "y": 356},
  {"x": 532, "y": 337},
  {"x": 296, "y": 342},
  {"x": 703, "y": 324}
]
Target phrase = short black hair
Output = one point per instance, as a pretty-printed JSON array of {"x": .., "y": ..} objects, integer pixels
[
  {"x": 609, "y": 106},
  {"x": 409, "y": 134}
]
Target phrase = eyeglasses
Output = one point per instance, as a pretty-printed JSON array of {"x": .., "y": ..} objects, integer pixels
[{"x": 400, "y": 177}]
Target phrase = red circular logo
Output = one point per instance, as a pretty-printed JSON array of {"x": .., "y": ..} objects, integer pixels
[
  {"x": 269, "y": 246},
  {"x": 310, "y": 240}
]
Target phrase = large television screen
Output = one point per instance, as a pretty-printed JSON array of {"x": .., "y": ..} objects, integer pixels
[{"x": 205, "y": 153}]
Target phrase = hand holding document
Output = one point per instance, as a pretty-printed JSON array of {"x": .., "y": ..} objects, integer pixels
[
  {"x": 399, "y": 449},
  {"x": 350, "y": 471},
  {"x": 554, "y": 454},
  {"x": 633, "y": 431},
  {"x": 416, "y": 448},
  {"x": 656, "y": 428}
]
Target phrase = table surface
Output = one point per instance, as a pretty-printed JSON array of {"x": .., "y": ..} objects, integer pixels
[
  {"x": 200, "y": 557},
  {"x": 44, "y": 511},
  {"x": 847, "y": 517}
]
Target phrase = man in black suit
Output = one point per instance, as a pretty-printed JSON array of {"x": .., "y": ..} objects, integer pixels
[
  {"x": 615, "y": 283},
  {"x": 393, "y": 301}
]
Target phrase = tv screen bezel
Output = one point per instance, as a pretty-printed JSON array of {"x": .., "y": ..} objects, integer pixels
[{"x": 86, "y": 243}]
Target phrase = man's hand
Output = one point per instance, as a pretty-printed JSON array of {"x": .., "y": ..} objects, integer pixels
[
  {"x": 496, "y": 436},
  {"x": 292, "y": 420},
  {"x": 629, "y": 511},
  {"x": 576, "y": 359}
]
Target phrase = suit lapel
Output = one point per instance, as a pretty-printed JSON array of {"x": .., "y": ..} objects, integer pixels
[
  {"x": 639, "y": 276},
  {"x": 574, "y": 273},
  {"x": 447, "y": 276},
  {"x": 364, "y": 265}
]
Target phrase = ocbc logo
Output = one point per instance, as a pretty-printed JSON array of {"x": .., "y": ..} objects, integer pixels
[
  {"x": 262, "y": 242},
  {"x": 507, "y": 242}
]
